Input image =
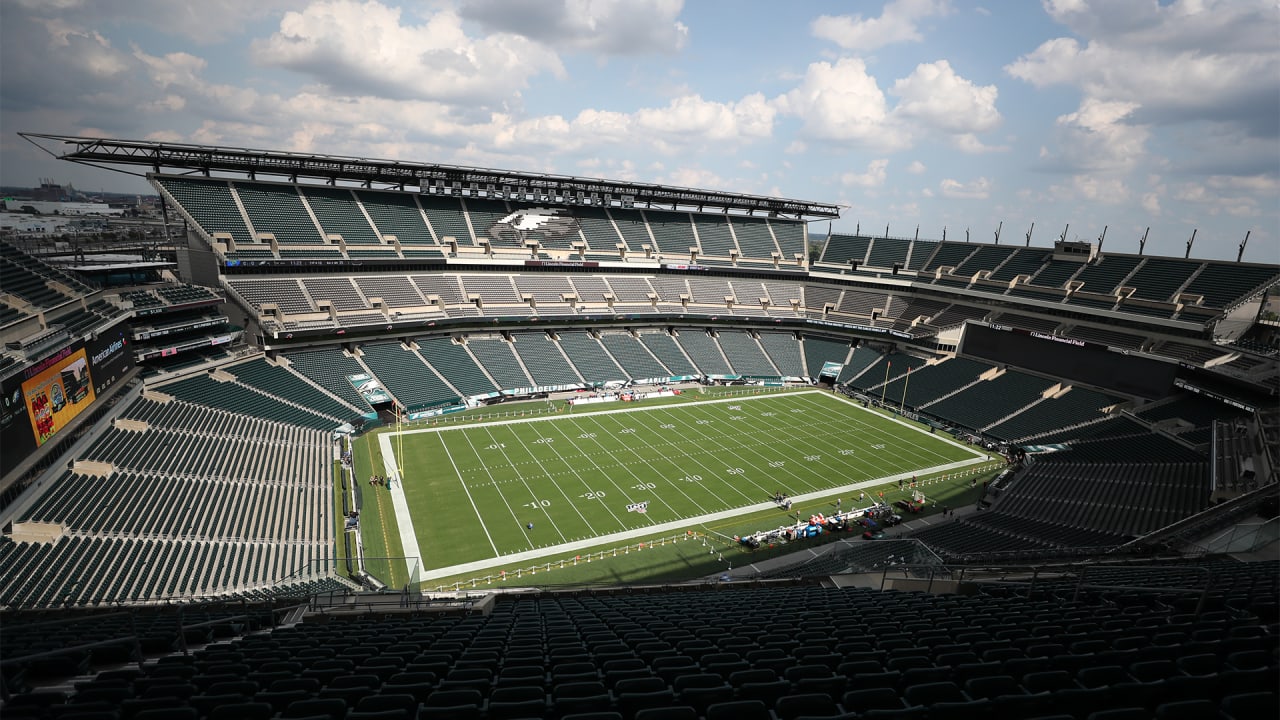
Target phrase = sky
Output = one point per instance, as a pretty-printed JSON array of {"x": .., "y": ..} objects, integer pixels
[{"x": 1074, "y": 115}]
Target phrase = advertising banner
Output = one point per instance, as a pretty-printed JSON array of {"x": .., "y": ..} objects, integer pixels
[
  {"x": 49, "y": 394},
  {"x": 56, "y": 395}
]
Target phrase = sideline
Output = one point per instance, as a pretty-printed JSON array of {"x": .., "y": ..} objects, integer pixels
[
  {"x": 682, "y": 523},
  {"x": 409, "y": 540},
  {"x": 404, "y": 522}
]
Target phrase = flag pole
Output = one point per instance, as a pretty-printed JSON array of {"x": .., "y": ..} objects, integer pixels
[
  {"x": 902, "y": 407},
  {"x": 884, "y": 387}
]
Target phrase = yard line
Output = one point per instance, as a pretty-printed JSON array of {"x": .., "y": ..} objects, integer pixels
[
  {"x": 520, "y": 475},
  {"x": 629, "y": 447},
  {"x": 776, "y": 434},
  {"x": 906, "y": 464},
  {"x": 660, "y": 450},
  {"x": 651, "y": 531},
  {"x": 492, "y": 481},
  {"x": 878, "y": 432},
  {"x": 733, "y": 484},
  {"x": 893, "y": 443},
  {"x": 829, "y": 449},
  {"x": 944, "y": 438},
  {"x": 603, "y": 474},
  {"x": 552, "y": 480},
  {"x": 693, "y": 457},
  {"x": 890, "y": 439},
  {"x": 748, "y": 448}
]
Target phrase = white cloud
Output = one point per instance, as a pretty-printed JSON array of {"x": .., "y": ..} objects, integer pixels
[
  {"x": 1189, "y": 60},
  {"x": 898, "y": 22},
  {"x": 976, "y": 189},
  {"x": 916, "y": 167},
  {"x": 1098, "y": 137},
  {"x": 1261, "y": 184},
  {"x": 177, "y": 69},
  {"x": 204, "y": 22},
  {"x": 840, "y": 101},
  {"x": 366, "y": 49},
  {"x": 750, "y": 117},
  {"x": 970, "y": 144},
  {"x": 873, "y": 177},
  {"x": 313, "y": 120},
  {"x": 608, "y": 27},
  {"x": 1151, "y": 203},
  {"x": 694, "y": 177},
  {"x": 1230, "y": 195},
  {"x": 91, "y": 51},
  {"x": 1100, "y": 189},
  {"x": 934, "y": 95}
]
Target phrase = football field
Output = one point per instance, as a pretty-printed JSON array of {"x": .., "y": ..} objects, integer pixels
[{"x": 478, "y": 496}]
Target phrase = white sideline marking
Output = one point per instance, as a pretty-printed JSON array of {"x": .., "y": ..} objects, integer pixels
[
  {"x": 659, "y": 529},
  {"x": 404, "y": 522},
  {"x": 652, "y": 408},
  {"x": 402, "y": 510}
]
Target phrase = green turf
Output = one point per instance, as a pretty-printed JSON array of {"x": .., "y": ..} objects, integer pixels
[
  {"x": 710, "y": 549},
  {"x": 471, "y": 491},
  {"x": 377, "y": 522}
]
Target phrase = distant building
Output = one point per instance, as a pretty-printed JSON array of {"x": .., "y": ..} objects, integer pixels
[
  {"x": 27, "y": 224},
  {"x": 54, "y": 199},
  {"x": 57, "y": 207}
]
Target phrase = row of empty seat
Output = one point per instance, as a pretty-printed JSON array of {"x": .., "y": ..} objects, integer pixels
[
  {"x": 1100, "y": 484},
  {"x": 300, "y": 215},
  {"x": 441, "y": 370},
  {"x": 1218, "y": 284},
  {"x": 177, "y": 500},
  {"x": 765, "y": 653}
]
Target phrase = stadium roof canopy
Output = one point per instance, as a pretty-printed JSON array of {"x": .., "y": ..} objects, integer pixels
[{"x": 165, "y": 157}]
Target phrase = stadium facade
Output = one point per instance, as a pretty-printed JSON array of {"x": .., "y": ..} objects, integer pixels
[{"x": 160, "y": 459}]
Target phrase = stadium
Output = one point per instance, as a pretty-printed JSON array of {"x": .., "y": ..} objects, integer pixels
[{"x": 391, "y": 439}]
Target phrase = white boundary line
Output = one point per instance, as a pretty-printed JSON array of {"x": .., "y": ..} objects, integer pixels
[
  {"x": 472, "y": 500},
  {"x": 405, "y": 522}
]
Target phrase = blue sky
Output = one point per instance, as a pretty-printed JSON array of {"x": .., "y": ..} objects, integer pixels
[{"x": 1124, "y": 113}]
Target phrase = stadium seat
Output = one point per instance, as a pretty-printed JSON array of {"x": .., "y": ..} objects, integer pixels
[
  {"x": 1122, "y": 713},
  {"x": 332, "y": 708},
  {"x": 579, "y": 697},
  {"x": 1251, "y": 706},
  {"x": 992, "y": 686},
  {"x": 631, "y": 703},
  {"x": 408, "y": 704},
  {"x": 1047, "y": 681},
  {"x": 934, "y": 692},
  {"x": 171, "y": 713},
  {"x": 389, "y": 714},
  {"x": 242, "y": 711},
  {"x": 1187, "y": 710},
  {"x": 790, "y": 707},
  {"x": 673, "y": 712},
  {"x": 739, "y": 710}
]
